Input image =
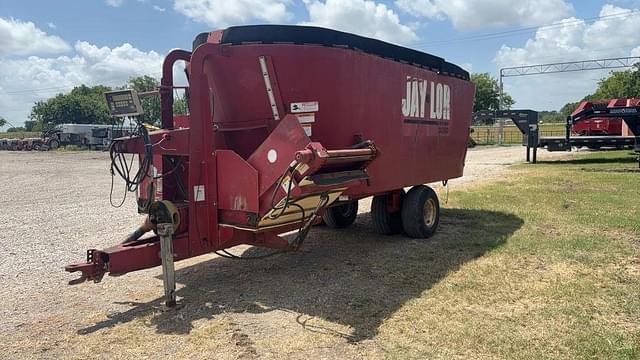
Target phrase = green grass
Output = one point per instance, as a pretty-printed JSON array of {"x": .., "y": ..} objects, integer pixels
[
  {"x": 19, "y": 135},
  {"x": 544, "y": 264},
  {"x": 564, "y": 285}
]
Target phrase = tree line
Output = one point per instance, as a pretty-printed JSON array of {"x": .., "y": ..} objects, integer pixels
[{"x": 87, "y": 105}]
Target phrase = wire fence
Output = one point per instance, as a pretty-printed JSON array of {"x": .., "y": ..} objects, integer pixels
[{"x": 489, "y": 135}]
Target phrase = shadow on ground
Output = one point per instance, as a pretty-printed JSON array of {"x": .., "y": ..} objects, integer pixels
[{"x": 352, "y": 276}]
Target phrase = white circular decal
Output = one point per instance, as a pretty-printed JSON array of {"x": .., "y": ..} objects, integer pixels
[{"x": 272, "y": 156}]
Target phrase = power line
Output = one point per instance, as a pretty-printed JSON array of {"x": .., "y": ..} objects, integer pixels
[
  {"x": 507, "y": 33},
  {"x": 36, "y": 90},
  {"x": 69, "y": 87}
]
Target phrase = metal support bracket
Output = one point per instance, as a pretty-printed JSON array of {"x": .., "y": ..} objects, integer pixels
[{"x": 165, "y": 232}]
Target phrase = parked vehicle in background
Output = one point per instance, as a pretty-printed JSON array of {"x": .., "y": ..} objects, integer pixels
[
  {"x": 14, "y": 144},
  {"x": 92, "y": 136},
  {"x": 598, "y": 126},
  {"x": 73, "y": 134},
  {"x": 33, "y": 144}
]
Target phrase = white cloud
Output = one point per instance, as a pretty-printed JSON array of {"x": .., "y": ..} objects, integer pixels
[
  {"x": 158, "y": 8},
  {"x": 363, "y": 17},
  {"x": 221, "y": 13},
  {"x": 26, "y": 80},
  {"x": 103, "y": 64},
  {"x": 52, "y": 25},
  {"x": 573, "y": 40},
  {"x": 114, "y": 3},
  {"x": 469, "y": 15},
  {"x": 24, "y": 38}
]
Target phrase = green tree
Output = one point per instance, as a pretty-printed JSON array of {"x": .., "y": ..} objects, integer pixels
[
  {"x": 3, "y": 122},
  {"x": 568, "y": 109},
  {"x": 82, "y": 105},
  {"x": 150, "y": 104},
  {"x": 87, "y": 105},
  {"x": 488, "y": 93},
  {"x": 550, "y": 117},
  {"x": 31, "y": 125},
  {"x": 180, "y": 106},
  {"x": 15, "y": 129},
  {"x": 619, "y": 85}
]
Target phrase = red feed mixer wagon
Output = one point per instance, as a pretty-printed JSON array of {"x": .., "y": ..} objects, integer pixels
[{"x": 287, "y": 125}]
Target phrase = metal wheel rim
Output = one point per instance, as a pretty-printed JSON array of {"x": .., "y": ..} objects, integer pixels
[{"x": 429, "y": 212}]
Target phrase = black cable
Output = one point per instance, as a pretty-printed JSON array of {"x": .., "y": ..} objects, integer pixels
[
  {"x": 180, "y": 185},
  {"x": 223, "y": 255},
  {"x": 119, "y": 162},
  {"x": 289, "y": 172},
  {"x": 175, "y": 167},
  {"x": 305, "y": 227},
  {"x": 122, "y": 167},
  {"x": 124, "y": 198}
]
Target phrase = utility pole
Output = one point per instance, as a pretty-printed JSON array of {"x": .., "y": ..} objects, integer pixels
[{"x": 500, "y": 105}]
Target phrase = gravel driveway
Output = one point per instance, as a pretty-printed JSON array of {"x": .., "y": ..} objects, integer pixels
[{"x": 55, "y": 205}]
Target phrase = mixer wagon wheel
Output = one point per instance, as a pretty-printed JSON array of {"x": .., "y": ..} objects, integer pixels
[
  {"x": 420, "y": 212},
  {"x": 341, "y": 216},
  {"x": 386, "y": 222}
]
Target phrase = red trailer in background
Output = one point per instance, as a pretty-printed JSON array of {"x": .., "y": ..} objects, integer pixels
[
  {"x": 287, "y": 125},
  {"x": 598, "y": 126},
  {"x": 601, "y": 125}
]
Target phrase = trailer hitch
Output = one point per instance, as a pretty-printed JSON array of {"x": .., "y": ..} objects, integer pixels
[{"x": 93, "y": 269}]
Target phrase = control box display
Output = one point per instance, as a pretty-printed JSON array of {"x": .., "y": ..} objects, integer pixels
[{"x": 123, "y": 103}]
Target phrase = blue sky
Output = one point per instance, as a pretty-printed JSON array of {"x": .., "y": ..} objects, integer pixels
[{"x": 75, "y": 42}]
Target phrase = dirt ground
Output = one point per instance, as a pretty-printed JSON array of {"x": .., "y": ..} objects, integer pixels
[{"x": 323, "y": 302}]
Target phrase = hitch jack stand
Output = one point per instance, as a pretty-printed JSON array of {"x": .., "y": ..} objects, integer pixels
[{"x": 165, "y": 232}]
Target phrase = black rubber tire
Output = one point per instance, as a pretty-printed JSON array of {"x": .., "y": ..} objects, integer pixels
[
  {"x": 54, "y": 144},
  {"x": 414, "y": 221},
  {"x": 341, "y": 216},
  {"x": 384, "y": 222}
]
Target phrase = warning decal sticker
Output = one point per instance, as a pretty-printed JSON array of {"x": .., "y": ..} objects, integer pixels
[{"x": 301, "y": 107}]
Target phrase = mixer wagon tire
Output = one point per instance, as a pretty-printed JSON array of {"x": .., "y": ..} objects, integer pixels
[
  {"x": 385, "y": 222},
  {"x": 341, "y": 216},
  {"x": 420, "y": 212}
]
